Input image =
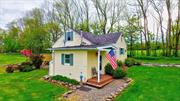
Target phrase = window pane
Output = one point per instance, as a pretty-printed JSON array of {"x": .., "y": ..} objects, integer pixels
[
  {"x": 69, "y": 36},
  {"x": 121, "y": 51},
  {"x": 67, "y": 58}
]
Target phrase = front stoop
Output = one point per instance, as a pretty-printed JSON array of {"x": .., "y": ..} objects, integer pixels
[{"x": 104, "y": 80}]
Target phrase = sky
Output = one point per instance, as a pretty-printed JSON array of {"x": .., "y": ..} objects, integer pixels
[{"x": 13, "y": 9}]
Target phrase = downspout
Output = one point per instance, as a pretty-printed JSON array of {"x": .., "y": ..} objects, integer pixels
[{"x": 53, "y": 56}]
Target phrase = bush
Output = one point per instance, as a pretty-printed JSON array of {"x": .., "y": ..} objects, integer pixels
[
  {"x": 119, "y": 63},
  {"x": 65, "y": 79},
  {"x": 119, "y": 73},
  {"x": 26, "y": 63},
  {"x": 10, "y": 69},
  {"x": 108, "y": 69},
  {"x": 130, "y": 62},
  {"x": 36, "y": 60},
  {"x": 25, "y": 68}
]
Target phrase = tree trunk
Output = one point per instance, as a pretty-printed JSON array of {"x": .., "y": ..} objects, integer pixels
[{"x": 177, "y": 31}]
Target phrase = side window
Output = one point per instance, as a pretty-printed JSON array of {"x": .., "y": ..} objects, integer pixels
[
  {"x": 69, "y": 36},
  {"x": 67, "y": 59},
  {"x": 121, "y": 51}
]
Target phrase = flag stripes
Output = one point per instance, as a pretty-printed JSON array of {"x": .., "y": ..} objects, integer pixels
[{"x": 112, "y": 59}]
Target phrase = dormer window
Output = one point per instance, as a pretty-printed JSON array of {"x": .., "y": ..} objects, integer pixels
[{"x": 69, "y": 36}]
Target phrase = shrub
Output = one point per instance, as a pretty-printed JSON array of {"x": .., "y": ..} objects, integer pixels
[
  {"x": 65, "y": 79},
  {"x": 9, "y": 69},
  {"x": 130, "y": 62},
  {"x": 119, "y": 73},
  {"x": 119, "y": 63},
  {"x": 25, "y": 68},
  {"x": 26, "y": 63},
  {"x": 26, "y": 52},
  {"x": 137, "y": 62},
  {"x": 108, "y": 69},
  {"x": 36, "y": 60}
]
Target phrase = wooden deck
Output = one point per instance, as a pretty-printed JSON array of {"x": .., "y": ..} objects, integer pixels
[{"x": 104, "y": 80}]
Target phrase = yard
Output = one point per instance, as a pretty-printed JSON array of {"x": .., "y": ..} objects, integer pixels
[
  {"x": 159, "y": 60},
  {"x": 10, "y": 59},
  {"x": 152, "y": 84},
  {"x": 23, "y": 86},
  {"x": 28, "y": 86}
]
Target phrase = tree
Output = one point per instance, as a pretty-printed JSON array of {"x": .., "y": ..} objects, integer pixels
[
  {"x": 132, "y": 32},
  {"x": 158, "y": 7},
  {"x": 168, "y": 32},
  {"x": 108, "y": 10},
  {"x": 143, "y": 5},
  {"x": 177, "y": 31}
]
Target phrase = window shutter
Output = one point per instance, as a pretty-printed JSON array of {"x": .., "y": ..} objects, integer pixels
[
  {"x": 71, "y": 59},
  {"x": 62, "y": 59}
]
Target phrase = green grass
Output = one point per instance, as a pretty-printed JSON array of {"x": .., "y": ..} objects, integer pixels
[
  {"x": 28, "y": 86},
  {"x": 158, "y": 53},
  {"x": 159, "y": 60},
  {"x": 6, "y": 59},
  {"x": 152, "y": 84}
]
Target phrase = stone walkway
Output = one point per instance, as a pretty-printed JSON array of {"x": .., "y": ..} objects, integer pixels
[
  {"x": 162, "y": 65},
  {"x": 88, "y": 93}
]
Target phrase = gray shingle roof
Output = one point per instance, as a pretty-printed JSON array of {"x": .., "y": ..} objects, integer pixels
[
  {"x": 101, "y": 39},
  {"x": 96, "y": 40}
]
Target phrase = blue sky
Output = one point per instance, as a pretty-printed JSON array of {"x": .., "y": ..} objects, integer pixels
[{"x": 13, "y": 9}]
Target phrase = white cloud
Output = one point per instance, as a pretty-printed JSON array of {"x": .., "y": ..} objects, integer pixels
[{"x": 14, "y": 9}]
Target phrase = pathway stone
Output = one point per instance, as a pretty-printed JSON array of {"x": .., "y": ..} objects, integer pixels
[
  {"x": 162, "y": 65},
  {"x": 89, "y": 93}
]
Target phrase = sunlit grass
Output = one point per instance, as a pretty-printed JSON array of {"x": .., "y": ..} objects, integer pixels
[{"x": 152, "y": 84}]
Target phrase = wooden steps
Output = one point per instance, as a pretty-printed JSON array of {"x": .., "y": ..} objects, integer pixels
[{"x": 104, "y": 80}]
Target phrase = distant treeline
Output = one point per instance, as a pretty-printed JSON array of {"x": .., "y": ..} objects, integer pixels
[{"x": 40, "y": 28}]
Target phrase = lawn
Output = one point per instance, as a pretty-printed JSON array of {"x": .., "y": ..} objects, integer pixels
[
  {"x": 28, "y": 87},
  {"x": 152, "y": 84},
  {"x": 159, "y": 60},
  {"x": 10, "y": 59}
]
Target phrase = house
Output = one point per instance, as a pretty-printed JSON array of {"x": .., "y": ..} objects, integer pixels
[{"x": 77, "y": 52}]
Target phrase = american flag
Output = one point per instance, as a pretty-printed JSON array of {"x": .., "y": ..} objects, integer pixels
[{"x": 111, "y": 57}]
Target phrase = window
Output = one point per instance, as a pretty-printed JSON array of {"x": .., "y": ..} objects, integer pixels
[
  {"x": 69, "y": 36},
  {"x": 121, "y": 51},
  {"x": 67, "y": 59}
]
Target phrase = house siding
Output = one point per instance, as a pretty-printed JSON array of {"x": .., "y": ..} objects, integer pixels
[
  {"x": 75, "y": 42},
  {"x": 121, "y": 44},
  {"x": 79, "y": 65},
  {"x": 83, "y": 60}
]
